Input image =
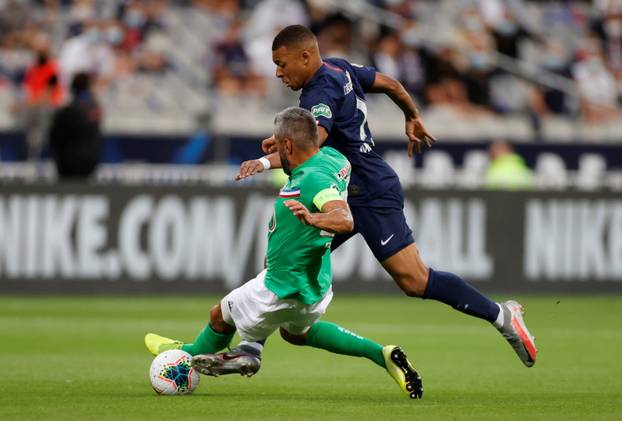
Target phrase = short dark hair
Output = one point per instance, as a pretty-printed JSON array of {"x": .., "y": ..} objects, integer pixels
[
  {"x": 80, "y": 83},
  {"x": 292, "y": 35},
  {"x": 298, "y": 125}
]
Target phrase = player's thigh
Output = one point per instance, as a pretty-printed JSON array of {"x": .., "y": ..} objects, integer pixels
[
  {"x": 408, "y": 270},
  {"x": 250, "y": 309},
  {"x": 305, "y": 316},
  {"x": 385, "y": 230}
]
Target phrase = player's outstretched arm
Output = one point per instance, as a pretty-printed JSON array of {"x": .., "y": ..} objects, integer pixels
[
  {"x": 334, "y": 217},
  {"x": 254, "y": 166},
  {"x": 268, "y": 145},
  {"x": 415, "y": 130}
]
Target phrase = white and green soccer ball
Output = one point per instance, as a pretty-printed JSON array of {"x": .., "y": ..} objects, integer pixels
[{"x": 171, "y": 373}]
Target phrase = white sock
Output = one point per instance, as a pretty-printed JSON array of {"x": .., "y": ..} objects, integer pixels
[
  {"x": 499, "y": 322},
  {"x": 254, "y": 345}
]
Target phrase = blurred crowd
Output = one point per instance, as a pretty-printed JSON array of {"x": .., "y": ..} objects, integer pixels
[
  {"x": 448, "y": 53},
  {"x": 458, "y": 54}
]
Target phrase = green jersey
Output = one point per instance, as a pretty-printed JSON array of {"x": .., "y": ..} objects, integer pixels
[{"x": 298, "y": 259}]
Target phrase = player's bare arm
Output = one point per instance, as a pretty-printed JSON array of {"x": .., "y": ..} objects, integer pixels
[
  {"x": 254, "y": 166},
  {"x": 415, "y": 130},
  {"x": 334, "y": 217}
]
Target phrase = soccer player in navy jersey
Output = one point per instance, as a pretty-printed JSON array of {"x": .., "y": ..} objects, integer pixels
[{"x": 334, "y": 91}]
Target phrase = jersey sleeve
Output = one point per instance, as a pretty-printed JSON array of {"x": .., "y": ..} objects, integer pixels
[
  {"x": 366, "y": 75},
  {"x": 320, "y": 189},
  {"x": 325, "y": 196},
  {"x": 322, "y": 105}
]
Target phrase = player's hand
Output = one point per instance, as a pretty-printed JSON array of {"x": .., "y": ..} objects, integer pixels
[
  {"x": 249, "y": 168},
  {"x": 417, "y": 134},
  {"x": 268, "y": 145},
  {"x": 300, "y": 211}
]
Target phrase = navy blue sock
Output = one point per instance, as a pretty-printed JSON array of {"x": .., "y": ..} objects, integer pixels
[{"x": 454, "y": 291}]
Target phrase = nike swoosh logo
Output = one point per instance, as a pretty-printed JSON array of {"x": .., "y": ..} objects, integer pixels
[
  {"x": 227, "y": 357},
  {"x": 384, "y": 242}
]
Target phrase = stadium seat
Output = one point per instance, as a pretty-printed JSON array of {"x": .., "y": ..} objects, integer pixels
[
  {"x": 551, "y": 172},
  {"x": 403, "y": 166},
  {"x": 438, "y": 170},
  {"x": 473, "y": 171},
  {"x": 591, "y": 172}
]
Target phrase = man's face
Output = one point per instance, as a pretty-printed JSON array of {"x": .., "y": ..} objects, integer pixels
[
  {"x": 291, "y": 66},
  {"x": 283, "y": 146}
]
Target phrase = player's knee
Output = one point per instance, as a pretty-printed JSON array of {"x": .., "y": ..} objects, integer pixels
[
  {"x": 413, "y": 285},
  {"x": 218, "y": 322},
  {"x": 293, "y": 339}
]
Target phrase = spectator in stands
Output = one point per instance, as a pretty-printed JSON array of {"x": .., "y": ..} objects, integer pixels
[
  {"x": 446, "y": 86},
  {"x": 507, "y": 170},
  {"x": 43, "y": 94},
  {"x": 265, "y": 19},
  {"x": 508, "y": 34},
  {"x": 335, "y": 38},
  {"x": 232, "y": 70},
  {"x": 479, "y": 67},
  {"x": 412, "y": 66},
  {"x": 75, "y": 135},
  {"x": 546, "y": 100},
  {"x": 88, "y": 53},
  {"x": 608, "y": 28},
  {"x": 135, "y": 23},
  {"x": 597, "y": 86},
  {"x": 387, "y": 54},
  {"x": 397, "y": 56}
]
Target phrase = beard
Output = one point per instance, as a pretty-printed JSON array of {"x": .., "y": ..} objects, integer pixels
[{"x": 285, "y": 163}]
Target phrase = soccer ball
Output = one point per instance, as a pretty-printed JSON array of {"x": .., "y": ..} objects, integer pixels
[{"x": 171, "y": 373}]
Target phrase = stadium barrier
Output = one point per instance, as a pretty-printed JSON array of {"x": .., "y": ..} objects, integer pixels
[{"x": 114, "y": 238}]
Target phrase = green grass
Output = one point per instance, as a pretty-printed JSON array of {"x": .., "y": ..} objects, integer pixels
[{"x": 81, "y": 358}]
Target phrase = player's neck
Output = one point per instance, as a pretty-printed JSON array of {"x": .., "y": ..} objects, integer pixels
[
  {"x": 301, "y": 157},
  {"x": 313, "y": 69}
]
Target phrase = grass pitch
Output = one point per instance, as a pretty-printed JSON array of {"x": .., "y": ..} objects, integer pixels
[{"x": 82, "y": 358}]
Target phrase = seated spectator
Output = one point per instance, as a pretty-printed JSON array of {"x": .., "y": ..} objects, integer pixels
[
  {"x": 597, "y": 86},
  {"x": 233, "y": 74},
  {"x": 90, "y": 53},
  {"x": 446, "y": 84},
  {"x": 507, "y": 170},
  {"x": 546, "y": 100}
]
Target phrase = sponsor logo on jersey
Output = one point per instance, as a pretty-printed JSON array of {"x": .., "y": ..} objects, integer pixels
[
  {"x": 321, "y": 110},
  {"x": 344, "y": 172},
  {"x": 347, "y": 88}
]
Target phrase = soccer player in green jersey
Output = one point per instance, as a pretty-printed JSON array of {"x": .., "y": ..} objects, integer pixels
[{"x": 294, "y": 290}]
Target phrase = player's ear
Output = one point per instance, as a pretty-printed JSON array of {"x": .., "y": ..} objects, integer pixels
[{"x": 305, "y": 57}]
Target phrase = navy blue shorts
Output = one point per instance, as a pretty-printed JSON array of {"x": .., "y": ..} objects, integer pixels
[{"x": 384, "y": 227}]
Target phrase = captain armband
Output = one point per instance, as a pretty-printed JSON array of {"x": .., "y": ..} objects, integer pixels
[{"x": 326, "y": 195}]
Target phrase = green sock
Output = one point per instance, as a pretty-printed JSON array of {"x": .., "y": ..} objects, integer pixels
[
  {"x": 208, "y": 342},
  {"x": 333, "y": 338}
]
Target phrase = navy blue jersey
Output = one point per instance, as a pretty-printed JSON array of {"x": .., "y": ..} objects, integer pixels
[{"x": 336, "y": 98}]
